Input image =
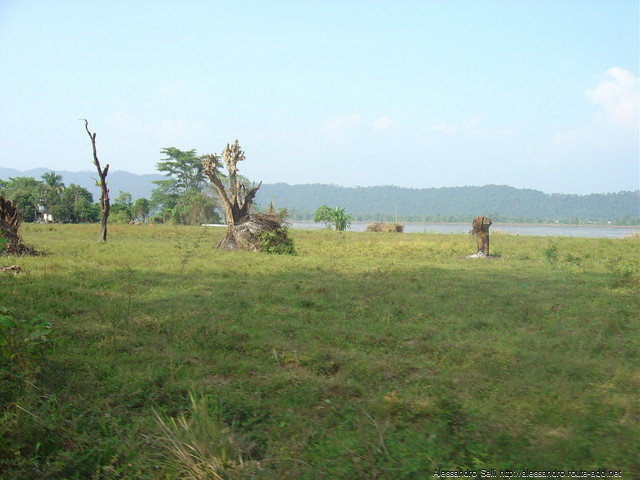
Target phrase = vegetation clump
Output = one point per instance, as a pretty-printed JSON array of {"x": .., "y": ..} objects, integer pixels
[
  {"x": 199, "y": 446},
  {"x": 259, "y": 232},
  {"x": 385, "y": 227},
  {"x": 333, "y": 216}
]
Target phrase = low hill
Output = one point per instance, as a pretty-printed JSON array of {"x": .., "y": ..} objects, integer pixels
[
  {"x": 450, "y": 204},
  {"x": 501, "y": 202}
]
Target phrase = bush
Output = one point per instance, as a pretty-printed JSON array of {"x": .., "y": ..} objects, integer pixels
[
  {"x": 385, "y": 227},
  {"x": 22, "y": 340},
  {"x": 277, "y": 241},
  {"x": 199, "y": 446}
]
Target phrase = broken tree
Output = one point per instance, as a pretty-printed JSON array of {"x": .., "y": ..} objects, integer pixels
[
  {"x": 480, "y": 227},
  {"x": 245, "y": 231},
  {"x": 104, "y": 191},
  {"x": 10, "y": 220}
]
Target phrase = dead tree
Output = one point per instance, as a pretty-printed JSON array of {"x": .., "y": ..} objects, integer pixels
[
  {"x": 10, "y": 220},
  {"x": 480, "y": 228},
  {"x": 236, "y": 197},
  {"x": 104, "y": 191}
]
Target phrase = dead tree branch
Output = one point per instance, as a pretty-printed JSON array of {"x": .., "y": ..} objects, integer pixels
[{"x": 104, "y": 191}]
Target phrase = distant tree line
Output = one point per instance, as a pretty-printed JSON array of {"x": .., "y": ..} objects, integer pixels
[
  {"x": 455, "y": 204},
  {"x": 183, "y": 198},
  {"x": 40, "y": 200}
]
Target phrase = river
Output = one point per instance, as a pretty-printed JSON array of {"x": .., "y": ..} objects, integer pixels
[{"x": 589, "y": 231}]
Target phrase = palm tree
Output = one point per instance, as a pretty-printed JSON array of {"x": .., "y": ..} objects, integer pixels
[
  {"x": 53, "y": 181},
  {"x": 52, "y": 188}
]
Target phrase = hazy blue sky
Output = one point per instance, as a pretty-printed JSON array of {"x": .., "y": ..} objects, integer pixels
[{"x": 535, "y": 94}]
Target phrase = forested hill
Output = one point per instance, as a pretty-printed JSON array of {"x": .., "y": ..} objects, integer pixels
[
  {"x": 501, "y": 202},
  {"x": 451, "y": 204}
]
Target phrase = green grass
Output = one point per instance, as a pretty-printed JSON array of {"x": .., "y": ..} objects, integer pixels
[{"x": 367, "y": 355}]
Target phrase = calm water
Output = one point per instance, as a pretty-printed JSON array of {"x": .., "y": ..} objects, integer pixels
[{"x": 536, "y": 230}]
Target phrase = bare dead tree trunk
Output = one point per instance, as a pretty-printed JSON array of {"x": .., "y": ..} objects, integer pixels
[
  {"x": 10, "y": 220},
  {"x": 481, "y": 230},
  {"x": 236, "y": 199},
  {"x": 104, "y": 191}
]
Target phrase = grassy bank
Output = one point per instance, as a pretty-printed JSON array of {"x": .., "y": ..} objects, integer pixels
[{"x": 367, "y": 355}]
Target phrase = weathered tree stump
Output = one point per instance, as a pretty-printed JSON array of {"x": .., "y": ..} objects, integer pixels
[
  {"x": 245, "y": 231},
  {"x": 480, "y": 228},
  {"x": 10, "y": 220}
]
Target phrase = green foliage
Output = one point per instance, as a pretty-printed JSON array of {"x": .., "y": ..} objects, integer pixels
[
  {"x": 119, "y": 217},
  {"x": 341, "y": 220},
  {"x": 323, "y": 214},
  {"x": 141, "y": 209},
  {"x": 336, "y": 217},
  {"x": 277, "y": 241},
  {"x": 121, "y": 210},
  {"x": 53, "y": 181},
  {"x": 551, "y": 252},
  {"x": 22, "y": 339},
  {"x": 75, "y": 206},
  {"x": 281, "y": 213},
  {"x": 184, "y": 168},
  {"x": 183, "y": 198},
  {"x": 70, "y": 204},
  {"x": 199, "y": 446},
  {"x": 26, "y": 192}
]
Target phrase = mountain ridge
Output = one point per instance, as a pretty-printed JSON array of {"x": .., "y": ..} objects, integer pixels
[{"x": 388, "y": 202}]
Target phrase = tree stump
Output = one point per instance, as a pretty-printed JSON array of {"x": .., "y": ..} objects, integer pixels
[
  {"x": 10, "y": 220},
  {"x": 481, "y": 230}
]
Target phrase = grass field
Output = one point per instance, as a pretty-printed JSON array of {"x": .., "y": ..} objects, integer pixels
[{"x": 366, "y": 355}]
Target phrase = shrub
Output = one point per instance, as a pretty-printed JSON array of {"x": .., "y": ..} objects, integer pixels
[
  {"x": 277, "y": 241},
  {"x": 200, "y": 447},
  {"x": 336, "y": 217},
  {"x": 385, "y": 227},
  {"x": 22, "y": 340}
]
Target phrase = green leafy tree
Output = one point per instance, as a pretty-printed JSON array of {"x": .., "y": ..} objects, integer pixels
[
  {"x": 341, "y": 219},
  {"x": 141, "y": 209},
  {"x": 76, "y": 206},
  {"x": 51, "y": 191},
  {"x": 323, "y": 214},
  {"x": 122, "y": 208},
  {"x": 53, "y": 181},
  {"x": 195, "y": 208},
  {"x": 336, "y": 217},
  {"x": 26, "y": 192},
  {"x": 184, "y": 168},
  {"x": 183, "y": 198}
]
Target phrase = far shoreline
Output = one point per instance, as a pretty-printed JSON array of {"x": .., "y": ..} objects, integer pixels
[{"x": 515, "y": 224}]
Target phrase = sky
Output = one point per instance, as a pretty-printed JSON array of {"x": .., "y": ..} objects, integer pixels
[{"x": 539, "y": 94}]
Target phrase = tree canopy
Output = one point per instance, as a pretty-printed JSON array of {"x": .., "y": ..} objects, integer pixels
[
  {"x": 333, "y": 216},
  {"x": 183, "y": 197},
  {"x": 184, "y": 168},
  {"x": 35, "y": 198}
]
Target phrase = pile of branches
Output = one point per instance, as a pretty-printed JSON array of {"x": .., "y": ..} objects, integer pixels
[
  {"x": 257, "y": 233},
  {"x": 385, "y": 227},
  {"x": 10, "y": 220}
]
